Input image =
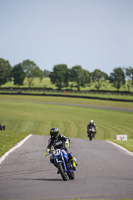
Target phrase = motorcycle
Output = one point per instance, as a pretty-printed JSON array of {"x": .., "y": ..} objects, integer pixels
[
  {"x": 91, "y": 133},
  {"x": 65, "y": 167}
]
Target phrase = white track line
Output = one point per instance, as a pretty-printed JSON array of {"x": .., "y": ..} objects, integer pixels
[
  {"x": 15, "y": 147},
  {"x": 125, "y": 150}
]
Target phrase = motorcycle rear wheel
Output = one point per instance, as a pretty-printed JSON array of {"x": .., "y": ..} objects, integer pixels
[{"x": 62, "y": 172}]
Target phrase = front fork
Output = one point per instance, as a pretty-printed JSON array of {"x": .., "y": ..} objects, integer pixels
[{"x": 62, "y": 161}]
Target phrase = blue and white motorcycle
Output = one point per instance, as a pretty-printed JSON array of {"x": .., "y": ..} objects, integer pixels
[{"x": 61, "y": 161}]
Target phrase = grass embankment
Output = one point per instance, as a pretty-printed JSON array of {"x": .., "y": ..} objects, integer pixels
[
  {"x": 126, "y": 144},
  {"x": 46, "y": 83},
  {"x": 77, "y": 94},
  {"x": 23, "y": 115}
]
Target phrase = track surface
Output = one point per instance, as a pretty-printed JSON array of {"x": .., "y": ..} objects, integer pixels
[{"x": 104, "y": 171}]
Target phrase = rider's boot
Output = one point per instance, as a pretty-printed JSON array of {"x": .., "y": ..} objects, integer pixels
[
  {"x": 52, "y": 161},
  {"x": 73, "y": 161},
  {"x": 57, "y": 168},
  {"x": 74, "y": 165}
]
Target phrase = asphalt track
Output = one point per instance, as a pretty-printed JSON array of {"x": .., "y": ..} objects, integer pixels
[{"x": 104, "y": 171}]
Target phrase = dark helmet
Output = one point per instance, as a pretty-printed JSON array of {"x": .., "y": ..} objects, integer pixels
[{"x": 54, "y": 132}]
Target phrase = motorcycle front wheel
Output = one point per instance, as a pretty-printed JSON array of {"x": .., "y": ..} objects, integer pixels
[
  {"x": 90, "y": 137},
  {"x": 62, "y": 172},
  {"x": 71, "y": 175}
]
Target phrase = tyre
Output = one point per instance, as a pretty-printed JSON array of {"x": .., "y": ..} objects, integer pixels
[
  {"x": 90, "y": 138},
  {"x": 62, "y": 172},
  {"x": 71, "y": 175}
]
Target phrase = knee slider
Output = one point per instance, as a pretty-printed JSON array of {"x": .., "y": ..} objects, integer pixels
[{"x": 70, "y": 155}]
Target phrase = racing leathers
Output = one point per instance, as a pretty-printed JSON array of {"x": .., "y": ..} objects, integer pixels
[
  {"x": 59, "y": 143},
  {"x": 90, "y": 126}
]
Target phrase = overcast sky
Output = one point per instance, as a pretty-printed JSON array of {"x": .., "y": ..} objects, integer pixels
[{"x": 96, "y": 34}]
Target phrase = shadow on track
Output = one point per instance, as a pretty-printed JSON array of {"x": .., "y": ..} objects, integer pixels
[{"x": 38, "y": 179}]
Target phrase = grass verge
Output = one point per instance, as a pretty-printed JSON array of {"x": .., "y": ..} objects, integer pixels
[
  {"x": 23, "y": 115},
  {"x": 126, "y": 144}
]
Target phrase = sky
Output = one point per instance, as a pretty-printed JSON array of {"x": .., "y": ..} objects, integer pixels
[{"x": 95, "y": 34}]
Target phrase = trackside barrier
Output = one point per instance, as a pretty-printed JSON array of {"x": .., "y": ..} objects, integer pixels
[{"x": 65, "y": 95}]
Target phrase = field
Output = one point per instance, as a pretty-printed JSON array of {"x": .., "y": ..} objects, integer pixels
[
  {"x": 23, "y": 115},
  {"x": 46, "y": 83},
  {"x": 85, "y": 91}
]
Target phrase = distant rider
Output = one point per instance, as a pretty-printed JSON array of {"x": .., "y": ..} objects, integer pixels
[
  {"x": 59, "y": 141},
  {"x": 90, "y": 126}
]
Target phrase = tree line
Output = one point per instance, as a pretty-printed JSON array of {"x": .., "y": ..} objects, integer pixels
[{"x": 62, "y": 76}]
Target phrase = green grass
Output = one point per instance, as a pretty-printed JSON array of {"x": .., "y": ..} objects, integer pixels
[
  {"x": 77, "y": 94},
  {"x": 126, "y": 144},
  {"x": 23, "y": 115},
  {"x": 90, "y": 102},
  {"x": 46, "y": 83},
  {"x": 36, "y": 83}
]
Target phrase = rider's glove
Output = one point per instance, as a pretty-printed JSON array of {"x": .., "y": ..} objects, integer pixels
[
  {"x": 67, "y": 143},
  {"x": 47, "y": 152}
]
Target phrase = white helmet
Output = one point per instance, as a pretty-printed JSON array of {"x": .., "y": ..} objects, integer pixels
[{"x": 92, "y": 122}]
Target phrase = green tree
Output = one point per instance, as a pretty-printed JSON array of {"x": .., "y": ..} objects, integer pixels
[
  {"x": 46, "y": 73},
  {"x": 18, "y": 74},
  {"x": 5, "y": 71},
  {"x": 76, "y": 74},
  {"x": 32, "y": 71},
  {"x": 129, "y": 75},
  {"x": 86, "y": 78},
  {"x": 117, "y": 77},
  {"x": 59, "y": 76},
  {"x": 98, "y": 77}
]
